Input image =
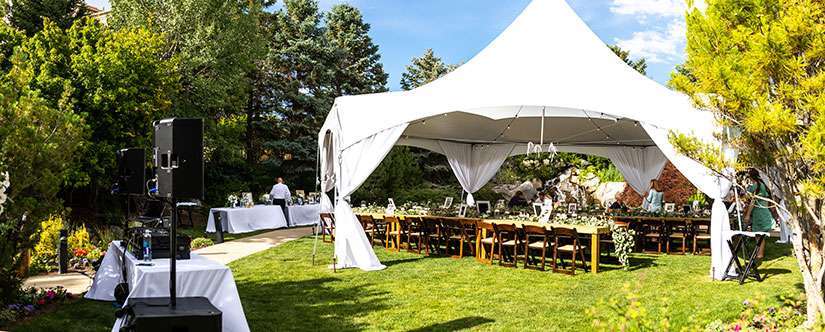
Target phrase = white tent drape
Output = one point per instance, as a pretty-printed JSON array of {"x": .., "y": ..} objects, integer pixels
[
  {"x": 713, "y": 185},
  {"x": 638, "y": 165},
  {"x": 474, "y": 165},
  {"x": 354, "y": 164}
]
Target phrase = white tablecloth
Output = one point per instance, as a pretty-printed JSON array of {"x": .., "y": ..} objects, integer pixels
[
  {"x": 244, "y": 220},
  {"x": 198, "y": 276},
  {"x": 304, "y": 215}
]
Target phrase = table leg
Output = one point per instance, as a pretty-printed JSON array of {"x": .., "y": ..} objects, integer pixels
[
  {"x": 398, "y": 244},
  {"x": 480, "y": 234},
  {"x": 594, "y": 253}
]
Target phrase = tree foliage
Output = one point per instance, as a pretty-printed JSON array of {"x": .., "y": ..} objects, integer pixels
[
  {"x": 760, "y": 66},
  {"x": 640, "y": 65},
  {"x": 37, "y": 146},
  {"x": 424, "y": 69},
  {"x": 28, "y": 15},
  {"x": 117, "y": 81}
]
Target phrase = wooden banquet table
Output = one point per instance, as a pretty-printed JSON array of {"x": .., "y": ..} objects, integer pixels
[{"x": 594, "y": 231}]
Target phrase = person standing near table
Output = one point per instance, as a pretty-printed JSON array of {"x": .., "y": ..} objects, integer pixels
[
  {"x": 281, "y": 197},
  {"x": 759, "y": 213},
  {"x": 653, "y": 201}
]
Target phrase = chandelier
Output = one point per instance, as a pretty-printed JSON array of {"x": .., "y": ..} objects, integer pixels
[{"x": 533, "y": 148}]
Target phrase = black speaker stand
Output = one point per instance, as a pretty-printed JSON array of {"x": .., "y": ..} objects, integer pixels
[{"x": 173, "y": 245}]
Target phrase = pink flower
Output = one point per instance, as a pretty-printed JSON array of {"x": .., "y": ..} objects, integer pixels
[{"x": 737, "y": 328}]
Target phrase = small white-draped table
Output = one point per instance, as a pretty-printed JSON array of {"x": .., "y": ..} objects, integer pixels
[
  {"x": 258, "y": 217},
  {"x": 197, "y": 276}
]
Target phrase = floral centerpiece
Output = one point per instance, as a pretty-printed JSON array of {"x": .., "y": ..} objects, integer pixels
[
  {"x": 265, "y": 199},
  {"x": 232, "y": 200}
]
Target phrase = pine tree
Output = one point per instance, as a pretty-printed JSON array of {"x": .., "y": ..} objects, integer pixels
[
  {"x": 28, "y": 15},
  {"x": 639, "y": 65},
  {"x": 357, "y": 68},
  {"x": 423, "y": 70}
]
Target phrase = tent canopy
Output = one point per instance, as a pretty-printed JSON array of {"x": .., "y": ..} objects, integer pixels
[{"x": 546, "y": 67}]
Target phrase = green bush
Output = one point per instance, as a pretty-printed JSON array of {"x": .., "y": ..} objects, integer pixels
[
  {"x": 79, "y": 240},
  {"x": 201, "y": 242},
  {"x": 44, "y": 258}
]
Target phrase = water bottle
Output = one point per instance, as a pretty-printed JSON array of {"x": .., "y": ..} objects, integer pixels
[{"x": 147, "y": 246}]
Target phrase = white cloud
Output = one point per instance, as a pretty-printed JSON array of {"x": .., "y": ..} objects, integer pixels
[
  {"x": 657, "y": 46},
  {"x": 643, "y": 8},
  {"x": 662, "y": 38}
]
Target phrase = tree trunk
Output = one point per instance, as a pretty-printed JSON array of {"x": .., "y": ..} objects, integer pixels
[{"x": 810, "y": 265}]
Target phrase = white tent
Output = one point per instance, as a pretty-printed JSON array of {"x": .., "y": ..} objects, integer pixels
[{"x": 547, "y": 69}]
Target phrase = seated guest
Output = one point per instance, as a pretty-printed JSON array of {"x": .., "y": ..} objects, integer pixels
[
  {"x": 653, "y": 201},
  {"x": 617, "y": 206},
  {"x": 517, "y": 200},
  {"x": 542, "y": 198}
]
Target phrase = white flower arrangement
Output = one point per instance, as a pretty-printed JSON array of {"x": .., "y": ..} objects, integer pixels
[
  {"x": 232, "y": 200},
  {"x": 265, "y": 198},
  {"x": 3, "y": 186}
]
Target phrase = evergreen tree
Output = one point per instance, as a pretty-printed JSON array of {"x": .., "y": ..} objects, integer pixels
[
  {"x": 302, "y": 65},
  {"x": 357, "y": 68},
  {"x": 639, "y": 65},
  {"x": 423, "y": 70},
  {"x": 759, "y": 65},
  {"x": 28, "y": 15}
]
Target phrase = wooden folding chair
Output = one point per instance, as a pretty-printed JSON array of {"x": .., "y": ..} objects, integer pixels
[
  {"x": 536, "y": 239},
  {"x": 416, "y": 234},
  {"x": 487, "y": 239},
  {"x": 368, "y": 225},
  {"x": 327, "y": 227},
  {"x": 508, "y": 238},
  {"x": 700, "y": 231},
  {"x": 678, "y": 231},
  {"x": 567, "y": 240},
  {"x": 394, "y": 231},
  {"x": 432, "y": 228}
]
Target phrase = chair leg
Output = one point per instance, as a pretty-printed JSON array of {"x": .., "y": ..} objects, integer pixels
[
  {"x": 543, "y": 257},
  {"x": 584, "y": 262}
]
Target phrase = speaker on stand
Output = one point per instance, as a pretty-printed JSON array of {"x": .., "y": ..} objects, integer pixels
[{"x": 178, "y": 157}]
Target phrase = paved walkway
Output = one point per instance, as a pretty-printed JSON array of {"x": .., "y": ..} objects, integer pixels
[{"x": 77, "y": 283}]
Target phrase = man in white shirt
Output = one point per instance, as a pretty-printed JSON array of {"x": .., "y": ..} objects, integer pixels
[{"x": 281, "y": 197}]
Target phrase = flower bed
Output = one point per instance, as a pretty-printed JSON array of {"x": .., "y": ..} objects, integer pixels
[{"x": 32, "y": 301}]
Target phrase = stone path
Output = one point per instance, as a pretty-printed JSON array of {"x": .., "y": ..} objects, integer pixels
[{"x": 77, "y": 283}]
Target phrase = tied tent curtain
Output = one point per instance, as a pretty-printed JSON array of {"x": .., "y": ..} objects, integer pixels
[
  {"x": 638, "y": 165},
  {"x": 473, "y": 164},
  {"x": 354, "y": 164},
  {"x": 714, "y": 185}
]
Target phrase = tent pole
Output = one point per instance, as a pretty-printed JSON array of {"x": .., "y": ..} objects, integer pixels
[{"x": 317, "y": 188}]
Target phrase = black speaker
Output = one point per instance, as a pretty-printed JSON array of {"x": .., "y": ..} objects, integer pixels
[
  {"x": 179, "y": 158},
  {"x": 191, "y": 314},
  {"x": 131, "y": 169}
]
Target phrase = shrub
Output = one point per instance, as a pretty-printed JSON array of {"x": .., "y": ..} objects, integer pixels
[
  {"x": 79, "y": 240},
  {"x": 201, "y": 242},
  {"x": 44, "y": 258},
  {"x": 625, "y": 312}
]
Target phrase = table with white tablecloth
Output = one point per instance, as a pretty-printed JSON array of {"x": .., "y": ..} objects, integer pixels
[
  {"x": 197, "y": 276},
  {"x": 258, "y": 217}
]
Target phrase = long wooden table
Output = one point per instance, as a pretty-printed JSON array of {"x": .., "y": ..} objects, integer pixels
[{"x": 594, "y": 231}]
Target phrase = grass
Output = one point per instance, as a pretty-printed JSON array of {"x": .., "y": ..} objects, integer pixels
[
  {"x": 282, "y": 290},
  {"x": 196, "y": 232}
]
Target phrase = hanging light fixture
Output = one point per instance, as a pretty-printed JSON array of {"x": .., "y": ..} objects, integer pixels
[{"x": 539, "y": 148}]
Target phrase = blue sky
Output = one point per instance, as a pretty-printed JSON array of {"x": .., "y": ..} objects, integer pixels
[{"x": 458, "y": 29}]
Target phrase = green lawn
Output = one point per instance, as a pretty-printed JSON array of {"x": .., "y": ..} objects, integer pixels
[{"x": 281, "y": 290}]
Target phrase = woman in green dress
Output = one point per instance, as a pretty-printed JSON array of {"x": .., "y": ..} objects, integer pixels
[{"x": 759, "y": 212}]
